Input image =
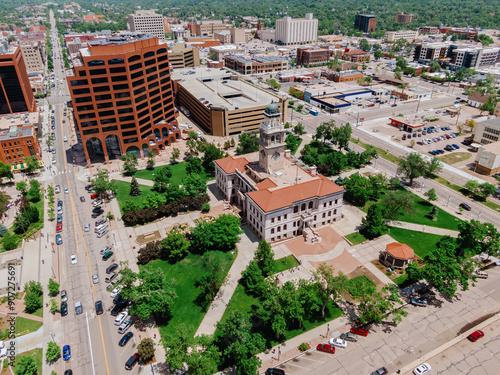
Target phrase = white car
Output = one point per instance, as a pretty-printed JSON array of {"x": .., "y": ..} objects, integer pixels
[
  {"x": 87, "y": 227},
  {"x": 95, "y": 278},
  {"x": 120, "y": 318},
  {"x": 422, "y": 369},
  {"x": 115, "y": 291},
  {"x": 65, "y": 139},
  {"x": 73, "y": 258},
  {"x": 57, "y": 189},
  {"x": 97, "y": 203},
  {"x": 54, "y": 161},
  {"x": 102, "y": 233},
  {"x": 66, "y": 191},
  {"x": 338, "y": 343}
]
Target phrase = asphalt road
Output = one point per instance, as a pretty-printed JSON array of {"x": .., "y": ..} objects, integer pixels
[{"x": 93, "y": 338}]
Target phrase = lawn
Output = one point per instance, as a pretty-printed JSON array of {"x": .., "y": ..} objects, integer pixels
[
  {"x": 25, "y": 326},
  {"x": 36, "y": 354},
  {"x": 178, "y": 173},
  {"x": 454, "y": 157},
  {"x": 34, "y": 227},
  {"x": 381, "y": 152},
  {"x": 358, "y": 285},
  {"x": 421, "y": 208},
  {"x": 420, "y": 242},
  {"x": 185, "y": 274},
  {"x": 356, "y": 238},
  {"x": 284, "y": 264},
  {"x": 39, "y": 312},
  {"x": 123, "y": 192}
]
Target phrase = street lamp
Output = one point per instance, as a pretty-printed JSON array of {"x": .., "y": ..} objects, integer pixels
[{"x": 279, "y": 352}]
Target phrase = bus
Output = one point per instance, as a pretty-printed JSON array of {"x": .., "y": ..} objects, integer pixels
[{"x": 313, "y": 112}]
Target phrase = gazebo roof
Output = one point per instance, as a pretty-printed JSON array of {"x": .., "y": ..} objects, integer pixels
[{"x": 400, "y": 251}]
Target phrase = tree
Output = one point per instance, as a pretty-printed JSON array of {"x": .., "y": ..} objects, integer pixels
[
  {"x": 34, "y": 192},
  {"x": 153, "y": 250},
  {"x": 447, "y": 271},
  {"x": 412, "y": 166},
  {"x": 476, "y": 238},
  {"x": 151, "y": 159},
  {"x": 135, "y": 189},
  {"x": 238, "y": 344},
  {"x": 401, "y": 62},
  {"x": 9, "y": 241},
  {"x": 325, "y": 131},
  {"x": 3, "y": 230},
  {"x": 130, "y": 163},
  {"x": 175, "y": 246},
  {"x": 431, "y": 195},
  {"x": 299, "y": 129},
  {"x": 433, "y": 167},
  {"x": 6, "y": 171},
  {"x": 150, "y": 291},
  {"x": 53, "y": 287},
  {"x": 378, "y": 54},
  {"x": 435, "y": 67},
  {"x": 26, "y": 366},
  {"x": 22, "y": 187},
  {"x": 175, "y": 155},
  {"x": 395, "y": 201},
  {"x": 357, "y": 189},
  {"x": 327, "y": 285},
  {"x": 177, "y": 346},
  {"x": 146, "y": 349},
  {"x": 211, "y": 153},
  {"x": 472, "y": 186},
  {"x": 485, "y": 40},
  {"x": 364, "y": 45},
  {"x": 252, "y": 278},
  {"x": 275, "y": 85},
  {"x": 31, "y": 163},
  {"x": 264, "y": 256},
  {"x": 211, "y": 282},
  {"x": 161, "y": 179},
  {"x": 247, "y": 142},
  {"x": 342, "y": 135},
  {"x": 204, "y": 360},
  {"x": 220, "y": 234},
  {"x": 485, "y": 190},
  {"x": 102, "y": 185},
  {"x": 374, "y": 306},
  {"x": 374, "y": 222},
  {"x": 53, "y": 352},
  {"x": 194, "y": 166},
  {"x": 33, "y": 298}
]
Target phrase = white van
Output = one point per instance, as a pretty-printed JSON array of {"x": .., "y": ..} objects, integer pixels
[
  {"x": 125, "y": 326},
  {"x": 101, "y": 227}
]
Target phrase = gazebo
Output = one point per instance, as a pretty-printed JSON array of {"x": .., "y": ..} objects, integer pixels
[{"x": 397, "y": 255}]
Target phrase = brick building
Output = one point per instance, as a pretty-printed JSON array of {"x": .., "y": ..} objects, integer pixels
[
  {"x": 404, "y": 18},
  {"x": 313, "y": 56},
  {"x": 16, "y": 143},
  {"x": 356, "y": 55},
  {"x": 365, "y": 22},
  {"x": 346, "y": 76}
]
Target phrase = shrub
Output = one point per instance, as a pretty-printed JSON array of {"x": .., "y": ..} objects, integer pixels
[
  {"x": 303, "y": 347},
  {"x": 3, "y": 230},
  {"x": 205, "y": 207},
  {"x": 151, "y": 251}
]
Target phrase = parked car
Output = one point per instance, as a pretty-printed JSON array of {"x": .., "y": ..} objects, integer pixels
[
  {"x": 394, "y": 105},
  {"x": 359, "y": 331},
  {"x": 125, "y": 326},
  {"x": 98, "y": 308},
  {"x": 422, "y": 369},
  {"x": 419, "y": 302},
  {"x": 66, "y": 191},
  {"x": 64, "y": 308},
  {"x": 97, "y": 203},
  {"x": 59, "y": 227},
  {"x": 97, "y": 214},
  {"x": 481, "y": 274},
  {"x": 118, "y": 307},
  {"x": 95, "y": 278},
  {"x": 102, "y": 233},
  {"x": 116, "y": 291},
  {"x": 338, "y": 342},
  {"x": 348, "y": 336},
  {"x": 73, "y": 259},
  {"x": 327, "y": 348},
  {"x": 78, "y": 308},
  {"x": 87, "y": 227},
  {"x": 274, "y": 371},
  {"x": 64, "y": 296},
  {"x": 129, "y": 365},
  {"x": 104, "y": 250},
  {"x": 476, "y": 335},
  {"x": 66, "y": 352},
  {"x": 380, "y": 371},
  {"x": 455, "y": 146},
  {"x": 465, "y": 206},
  {"x": 59, "y": 240},
  {"x": 94, "y": 196},
  {"x": 82, "y": 199},
  {"x": 108, "y": 255},
  {"x": 126, "y": 337},
  {"x": 121, "y": 318},
  {"x": 112, "y": 267},
  {"x": 100, "y": 221}
]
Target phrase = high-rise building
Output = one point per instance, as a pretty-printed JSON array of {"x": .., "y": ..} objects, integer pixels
[
  {"x": 404, "y": 18},
  {"x": 474, "y": 57},
  {"x": 147, "y": 21},
  {"x": 365, "y": 22},
  {"x": 16, "y": 94},
  {"x": 432, "y": 51},
  {"x": 183, "y": 55},
  {"x": 209, "y": 28},
  {"x": 122, "y": 96},
  {"x": 294, "y": 31},
  {"x": 33, "y": 56}
]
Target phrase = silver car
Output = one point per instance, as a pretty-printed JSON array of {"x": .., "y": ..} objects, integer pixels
[
  {"x": 102, "y": 233},
  {"x": 348, "y": 336},
  {"x": 87, "y": 227},
  {"x": 95, "y": 278}
]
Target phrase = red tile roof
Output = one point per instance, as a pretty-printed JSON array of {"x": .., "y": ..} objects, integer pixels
[
  {"x": 230, "y": 164},
  {"x": 400, "y": 251},
  {"x": 266, "y": 184},
  {"x": 356, "y": 52},
  {"x": 270, "y": 200}
]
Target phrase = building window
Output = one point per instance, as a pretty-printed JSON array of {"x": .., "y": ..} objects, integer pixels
[
  {"x": 272, "y": 220},
  {"x": 310, "y": 204},
  {"x": 272, "y": 230}
]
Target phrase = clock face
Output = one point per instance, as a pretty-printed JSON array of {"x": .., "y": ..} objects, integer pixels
[
  {"x": 276, "y": 155},
  {"x": 263, "y": 153}
]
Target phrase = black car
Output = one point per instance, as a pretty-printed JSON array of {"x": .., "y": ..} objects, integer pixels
[
  {"x": 97, "y": 214},
  {"x": 117, "y": 299},
  {"x": 96, "y": 209},
  {"x": 64, "y": 309},
  {"x": 111, "y": 268},
  {"x": 273, "y": 371},
  {"x": 88, "y": 187},
  {"x": 380, "y": 371},
  {"x": 465, "y": 206},
  {"x": 119, "y": 307},
  {"x": 126, "y": 337},
  {"x": 98, "y": 308},
  {"x": 59, "y": 203},
  {"x": 68, "y": 372},
  {"x": 129, "y": 365}
]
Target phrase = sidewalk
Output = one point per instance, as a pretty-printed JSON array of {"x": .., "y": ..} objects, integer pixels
[
  {"x": 422, "y": 228},
  {"x": 246, "y": 250}
]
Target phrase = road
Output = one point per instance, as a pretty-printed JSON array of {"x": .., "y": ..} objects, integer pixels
[
  {"x": 423, "y": 330},
  {"x": 93, "y": 338}
]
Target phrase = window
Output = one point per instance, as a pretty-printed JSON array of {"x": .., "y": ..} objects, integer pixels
[
  {"x": 153, "y": 85},
  {"x": 336, "y": 201},
  {"x": 122, "y": 95},
  {"x": 91, "y": 131},
  {"x": 127, "y": 126},
  {"x": 303, "y": 207},
  {"x": 310, "y": 204},
  {"x": 143, "y": 113},
  {"x": 83, "y": 100},
  {"x": 126, "y": 118},
  {"x": 108, "y": 121},
  {"x": 272, "y": 230},
  {"x": 81, "y": 91},
  {"x": 137, "y": 74},
  {"x": 272, "y": 220},
  {"x": 100, "y": 80},
  {"x": 106, "y": 113},
  {"x": 88, "y": 124},
  {"x": 120, "y": 87},
  {"x": 324, "y": 215},
  {"x": 134, "y": 58},
  {"x": 120, "y": 69},
  {"x": 295, "y": 209},
  {"x": 82, "y": 73},
  {"x": 110, "y": 129},
  {"x": 101, "y": 88},
  {"x": 149, "y": 54},
  {"x": 135, "y": 66},
  {"x": 95, "y": 72},
  {"x": 162, "y": 58},
  {"x": 140, "y": 98},
  {"x": 104, "y": 105},
  {"x": 141, "y": 106},
  {"x": 95, "y": 63},
  {"x": 284, "y": 227},
  {"x": 151, "y": 70},
  {"x": 79, "y": 82},
  {"x": 139, "y": 91},
  {"x": 115, "y": 61},
  {"x": 118, "y": 78},
  {"x": 152, "y": 77},
  {"x": 122, "y": 111},
  {"x": 85, "y": 108},
  {"x": 129, "y": 133},
  {"x": 161, "y": 51},
  {"x": 103, "y": 97},
  {"x": 130, "y": 140}
]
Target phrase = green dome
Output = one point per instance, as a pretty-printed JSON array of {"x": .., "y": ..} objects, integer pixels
[{"x": 272, "y": 109}]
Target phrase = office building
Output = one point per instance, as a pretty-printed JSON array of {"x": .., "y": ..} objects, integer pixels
[
  {"x": 365, "y": 22},
  {"x": 224, "y": 36},
  {"x": 209, "y": 28},
  {"x": 356, "y": 56},
  {"x": 16, "y": 94},
  {"x": 278, "y": 199},
  {"x": 294, "y": 31},
  {"x": 486, "y": 132},
  {"x": 331, "y": 38},
  {"x": 16, "y": 143},
  {"x": 464, "y": 33},
  {"x": 220, "y": 103},
  {"x": 222, "y": 51},
  {"x": 33, "y": 56},
  {"x": 346, "y": 75},
  {"x": 148, "y": 22},
  {"x": 488, "y": 159},
  {"x": 255, "y": 65},
  {"x": 404, "y": 18},
  {"x": 428, "y": 30},
  {"x": 313, "y": 56},
  {"x": 183, "y": 55},
  {"x": 238, "y": 35},
  {"x": 474, "y": 57},
  {"x": 432, "y": 51},
  {"x": 122, "y": 96},
  {"x": 202, "y": 42},
  {"x": 409, "y": 35}
]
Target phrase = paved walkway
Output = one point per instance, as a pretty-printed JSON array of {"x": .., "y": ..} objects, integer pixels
[
  {"x": 246, "y": 250},
  {"x": 423, "y": 228},
  {"x": 120, "y": 177}
]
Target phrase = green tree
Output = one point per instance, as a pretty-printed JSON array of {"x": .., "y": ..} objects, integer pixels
[
  {"x": 211, "y": 153},
  {"x": 220, "y": 234},
  {"x": 374, "y": 306},
  {"x": 433, "y": 167},
  {"x": 252, "y": 278},
  {"x": 53, "y": 287},
  {"x": 394, "y": 201},
  {"x": 378, "y": 54},
  {"x": 146, "y": 349},
  {"x": 177, "y": 346},
  {"x": 53, "y": 352},
  {"x": 435, "y": 67},
  {"x": 357, "y": 189},
  {"x": 485, "y": 40},
  {"x": 328, "y": 286},
  {"x": 211, "y": 281},
  {"x": 476, "y": 238},
  {"x": 205, "y": 360},
  {"x": 342, "y": 135},
  {"x": 374, "y": 222},
  {"x": 102, "y": 185},
  {"x": 364, "y": 45},
  {"x": 135, "y": 189},
  {"x": 472, "y": 186},
  {"x": 33, "y": 298},
  {"x": 299, "y": 129},
  {"x": 431, "y": 195},
  {"x": 274, "y": 84},
  {"x": 247, "y": 142},
  {"x": 26, "y": 366},
  {"x": 22, "y": 187},
  {"x": 151, "y": 159},
  {"x": 175, "y": 246},
  {"x": 34, "y": 192},
  {"x": 264, "y": 256},
  {"x": 6, "y": 171},
  {"x": 130, "y": 163},
  {"x": 194, "y": 166},
  {"x": 31, "y": 163},
  {"x": 161, "y": 179},
  {"x": 412, "y": 166},
  {"x": 175, "y": 155},
  {"x": 485, "y": 190},
  {"x": 9, "y": 241}
]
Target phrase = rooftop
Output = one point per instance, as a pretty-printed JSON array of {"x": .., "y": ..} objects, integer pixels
[
  {"x": 400, "y": 251},
  {"x": 25, "y": 118},
  {"x": 493, "y": 148},
  {"x": 16, "y": 131}
]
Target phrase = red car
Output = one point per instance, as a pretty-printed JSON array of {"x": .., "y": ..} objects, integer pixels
[
  {"x": 359, "y": 331},
  {"x": 326, "y": 348},
  {"x": 59, "y": 227},
  {"x": 476, "y": 335}
]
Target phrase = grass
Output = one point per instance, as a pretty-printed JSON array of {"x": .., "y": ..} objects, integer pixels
[
  {"x": 381, "y": 152},
  {"x": 401, "y": 280},
  {"x": 36, "y": 354},
  {"x": 123, "y": 192},
  {"x": 420, "y": 242},
  {"x": 39, "y": 312},
  {"x": 178, "y": 173},
  {"x": 356, "y": 238},
  {"x": 25, "y": 326},
  {"x": 358, "y": 285},
  {"x": 185, "y": 274},
  {"x": 454, "y": 157},
  {"x": 284, "y": 264}
]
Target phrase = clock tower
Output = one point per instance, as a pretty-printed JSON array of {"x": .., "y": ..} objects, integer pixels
[{"x": 272, "y": 140}]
